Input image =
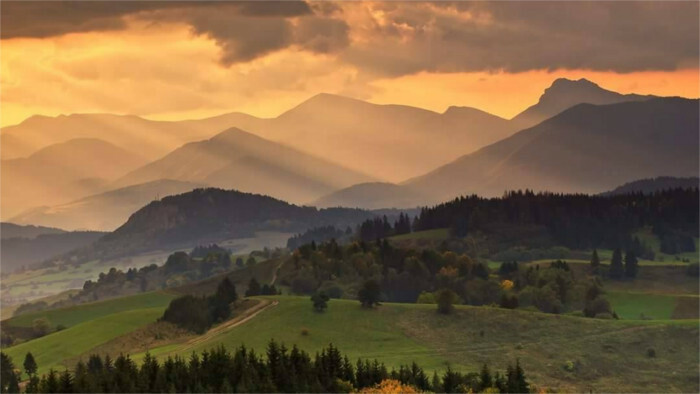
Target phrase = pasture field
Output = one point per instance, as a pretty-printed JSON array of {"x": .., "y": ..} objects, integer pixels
[
  {"x": 74, "y": 315},
  {"x": 653, "y": 306},
  {"x": 51, "y": 350},
  {"x": 563, "y": 353}
]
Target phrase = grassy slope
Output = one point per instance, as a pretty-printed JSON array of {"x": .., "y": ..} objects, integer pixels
[
  {"x": 52, "y": 349},
  {"x": 74, "y": 315},
  {"x": 609, "y": 355}
]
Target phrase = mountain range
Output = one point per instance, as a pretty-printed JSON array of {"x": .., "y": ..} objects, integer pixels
[
  {"x": 585, "y": 149},
  {"x": 336, "y": 151},
  {"x": 62, "y": 172},
  {"x": 235, "y": 159},
  {"x": 104, "y": 211}
]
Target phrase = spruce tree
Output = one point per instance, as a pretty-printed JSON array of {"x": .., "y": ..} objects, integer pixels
[
  {"x": 617, "y": 270},
  {"x": 485, "y": 379},
  {"x": 30, "y": 366},
  {"x": 254, "y": 288},
  {"x": 595, "y": 262}
]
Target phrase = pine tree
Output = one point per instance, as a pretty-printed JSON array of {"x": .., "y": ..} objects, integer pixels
[
  {"x": 65, "y": 382},
  {"x": 485, "y": 379},
  {"x": 595, "y": 262},
  {"x": 254, "y": 288},
  {"x": 617, "y": 270},
  {"x": 30, "y": 364},
  {"x": 631, "y": 264}
]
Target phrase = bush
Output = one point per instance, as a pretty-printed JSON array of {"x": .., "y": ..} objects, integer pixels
[
  {"x": 41, "y": 327},
  {"x": 569, "y": 366},
  {"x": 651, "y": 353},
  {"x": 426, "y": 297},
  {"x": 320, "y": 301}
]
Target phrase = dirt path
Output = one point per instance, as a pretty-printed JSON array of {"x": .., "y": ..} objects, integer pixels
[{"x": 229, "y": 324}]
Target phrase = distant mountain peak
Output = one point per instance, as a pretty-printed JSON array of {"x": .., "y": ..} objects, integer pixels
[
  {"x": 565, "y": 93},
  {"x": 564, "y": 86}
]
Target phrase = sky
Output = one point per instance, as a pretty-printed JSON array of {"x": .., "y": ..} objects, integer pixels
[{"x": 188, "y": 59}]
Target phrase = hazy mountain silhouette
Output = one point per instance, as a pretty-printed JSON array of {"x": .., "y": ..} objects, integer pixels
[
  {"x": 147, "y": 138},
  {"x": 105, "y": 211},
  {"x": 62, "y": 172},
  {"x": 19, "y": 252},
  {"x": 653, "y": 185},
  {"x": 587, "y": 148},
  {"x": 565, "y": 93},
  {"x": 240, "y": 160},
  {"x": 391, "y": 142},
  {"x": 372, "y": 195},
  {"x": 13, "y": 230}
]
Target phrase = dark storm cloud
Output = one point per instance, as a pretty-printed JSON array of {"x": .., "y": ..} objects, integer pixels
[
  {"x": 40, "y": 19},
  {"x": 521, "y": 36},
  {"x": 408, "y": 37}
]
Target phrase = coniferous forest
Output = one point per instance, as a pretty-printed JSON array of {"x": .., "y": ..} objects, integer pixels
[{"x": 242, "y": 370}]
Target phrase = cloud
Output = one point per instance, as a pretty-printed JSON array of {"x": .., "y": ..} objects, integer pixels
[
  {"x": 519, "y": 36},
  {"x": 389, "y": 39},
  {"x": 41, "y": 19}
]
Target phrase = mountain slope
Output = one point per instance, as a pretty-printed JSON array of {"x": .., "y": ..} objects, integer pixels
[
  {"x": 210, "y": 215},
  {"x": 242, "y": 161},
  {"x": 566, "y": 93},
  {"x": 587, "y": 149},
  {"x": 391, "y": 142},
  {"x": 105, "y": 211},
  {"x": 372, "y": 195},
  {"x": 13, "y": 230},
  {"x": 147, "y": 138},
  {"x": 62, "y": 172},
  {"x": 24, "y": 252},
  {"x": 653, "y": 185}
]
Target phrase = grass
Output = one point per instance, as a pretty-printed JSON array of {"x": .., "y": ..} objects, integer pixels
[
  {"x": 608, "y": 355},
  {"x": 653, "y": 306},
  {"x": 52, "y": 349},
  {"x": 75, "y": 315},
  {"x": 641, "y": 305}
]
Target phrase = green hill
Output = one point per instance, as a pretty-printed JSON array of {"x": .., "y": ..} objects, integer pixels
[{"x": 601, "y": 355}]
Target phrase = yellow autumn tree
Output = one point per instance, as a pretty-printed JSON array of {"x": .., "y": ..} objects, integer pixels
[
  {"x": 389, "y": 386},
  {"x": 507, "y": 284}
]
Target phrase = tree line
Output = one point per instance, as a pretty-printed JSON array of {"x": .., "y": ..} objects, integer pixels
[
  {"x": 574, "y": 220},
  {"x": 279, "y": 370}
]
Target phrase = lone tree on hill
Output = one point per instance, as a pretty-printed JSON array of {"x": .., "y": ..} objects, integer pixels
[
  {"x": 320, "y": 301},
  {"x": 369, "y": 294},
  {"x": 617, "y": 271},
  {"x": 445, "y": 301},
  {"x": 30, "y": 366},
  {"x": 631, "y": 264}
]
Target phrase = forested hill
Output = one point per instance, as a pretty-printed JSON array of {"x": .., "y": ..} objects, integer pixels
[
  {"x": 574, "y": 220},
  {"x": 210, "y": 215},
  {"x": 652, "y": 185}
]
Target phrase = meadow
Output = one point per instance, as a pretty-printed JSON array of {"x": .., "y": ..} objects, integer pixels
[{"x": 558, "y": 352}]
